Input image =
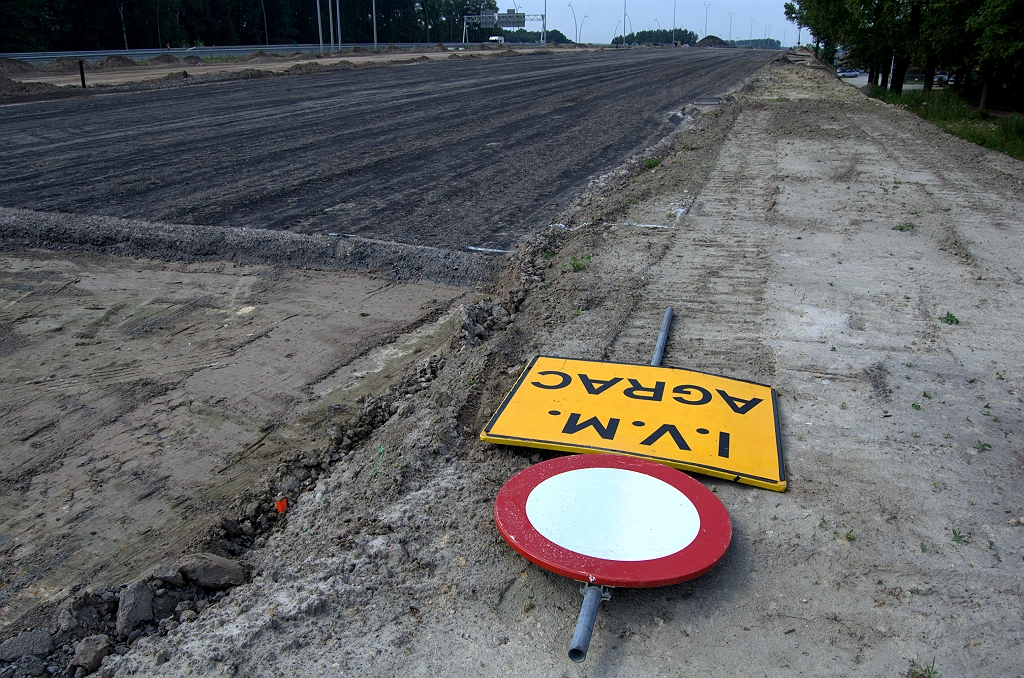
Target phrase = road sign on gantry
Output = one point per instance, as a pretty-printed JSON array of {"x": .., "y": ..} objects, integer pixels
[
  {"x": 727, "y": 428},
  {"x": 613, "y": 521}
]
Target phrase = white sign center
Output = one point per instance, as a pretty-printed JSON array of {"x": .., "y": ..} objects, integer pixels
[{"x": 614, "y": 514}]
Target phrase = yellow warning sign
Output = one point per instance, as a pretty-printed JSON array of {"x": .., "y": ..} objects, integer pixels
[{"x": 697, "y": 422}]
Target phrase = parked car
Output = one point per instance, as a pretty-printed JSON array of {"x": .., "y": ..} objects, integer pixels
[
  {"x": 847, "y": 72},
  {"x": 941, "y": 79}
]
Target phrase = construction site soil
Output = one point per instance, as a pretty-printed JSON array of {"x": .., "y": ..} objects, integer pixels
[
  {"x": 359, "y": 152},
  {"x": 864, "y": 263}
]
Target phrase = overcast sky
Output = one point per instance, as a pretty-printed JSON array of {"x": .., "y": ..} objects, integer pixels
[{"x": 603, "y": 15}]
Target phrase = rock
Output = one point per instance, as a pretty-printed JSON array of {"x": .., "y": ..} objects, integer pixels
[
  {"x": 30, "y": 665},
  {"x": 188, "y": 616},
  {"x": 168, "y": 574},
  {"x": 37, "y": 643},
  {"x": 163, "y": 607},
  {"x": 91, "y": 651},
  {"x": 136, "y": 606},
  {"x": 212, "y": 572},
  {"x": 66, "y": 621}
]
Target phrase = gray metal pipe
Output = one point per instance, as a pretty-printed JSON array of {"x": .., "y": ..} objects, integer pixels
[
  {"x": 659, "y": 349},
  {"x": 585, "y": 624}
]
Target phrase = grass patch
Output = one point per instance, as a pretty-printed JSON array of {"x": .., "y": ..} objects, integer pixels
[
  {"x": 651, "y": 163},
  {"x": 947, "y": 110},
  {"x": 904, "y": 227},
  {"x": 579, "y": 264}
]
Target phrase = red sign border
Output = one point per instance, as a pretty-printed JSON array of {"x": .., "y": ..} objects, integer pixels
[{"x": 698, "y": 557}]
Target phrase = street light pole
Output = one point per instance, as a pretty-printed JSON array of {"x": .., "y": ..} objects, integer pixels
[
  {"x": 623, "y": 23},
  {"x": 706, "y": 6},
  {"x": 751, "y": 29},
  {"x": 320, "y": 26},
  {"x": 575, "y": 26},
  {"x": 579, "y": 33},
  {"x": 374, "y": 27},
  {"x": 616, "y": 31},
  {"x": 730, "y": 25},
  {"x": 330, "y": 22},
  {"x": 673, "y": 23}
]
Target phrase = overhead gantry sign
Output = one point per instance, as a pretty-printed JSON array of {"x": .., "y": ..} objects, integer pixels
[{"x": 510, "y": 19}]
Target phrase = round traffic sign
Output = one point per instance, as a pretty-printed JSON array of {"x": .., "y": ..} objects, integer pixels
[{"x": 613, "y": 520}]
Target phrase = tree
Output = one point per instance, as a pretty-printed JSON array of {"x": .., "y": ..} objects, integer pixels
[{"x": 999, "y": 25}]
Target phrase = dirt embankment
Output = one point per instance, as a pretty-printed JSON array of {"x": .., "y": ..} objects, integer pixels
[
  {"x": 862, "y": 262},
  {"x": 120, "y": 72}
]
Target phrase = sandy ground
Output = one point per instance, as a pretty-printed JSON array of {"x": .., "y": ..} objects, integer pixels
[
  {"x": 140, "y": 398},
  {"x": 828, "y": 239},
  {"x": 864, "y": 263}
]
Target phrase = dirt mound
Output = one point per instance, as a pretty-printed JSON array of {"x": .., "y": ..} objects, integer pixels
[
  {"x": 251, "y": 74},
  {"x": 417, "y": 60},
  {"x": 314, "y": 67},
  {"x": 15, "y": 67},
  {"x": 164, "y": 60},
  {"x": 261, "y": 56},
  {"x": 391, "y": 49},
  {"x": 307, "y": 68},
  {"x": 171, "y": 77},
  {"x": 419, "y": 49},
  {"x": 361, "y": 50},
  {"x": 115, "y": 61},
  {"x": 64, "y": 65},
  {"x": 10, "y": 88},
  {"x": 192, "y": 60}
]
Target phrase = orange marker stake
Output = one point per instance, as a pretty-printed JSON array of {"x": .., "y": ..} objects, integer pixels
[{"x": 281, "y": 504}]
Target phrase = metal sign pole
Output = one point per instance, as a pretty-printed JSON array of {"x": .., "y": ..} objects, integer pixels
[
  {"x": 593, "y": 595},
  {"x": 659, "y": 349}
]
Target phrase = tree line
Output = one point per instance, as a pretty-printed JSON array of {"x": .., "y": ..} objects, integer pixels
[
  {"x": 62, "y": 25},
  {"x": 661, "y": 36},
  {"x": 979, "y": 42}
]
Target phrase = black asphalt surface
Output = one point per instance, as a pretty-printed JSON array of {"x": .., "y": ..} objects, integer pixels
[{"x": 475, "y": 152}]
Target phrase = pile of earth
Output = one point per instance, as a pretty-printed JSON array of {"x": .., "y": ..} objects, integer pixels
[
  {"x": 64, "y": 65},
  {"x": 164, "y": 60},
  {"x": 11, "y": 88},
  {"x": 115, "y": 61},
  {"x": 192, "y": 60},
  {"x": 15, "y": 67},
  {"x": 261, "y": 56},
  {"x": 315, "y": 67},
  {"x": 176, "y": 75}
]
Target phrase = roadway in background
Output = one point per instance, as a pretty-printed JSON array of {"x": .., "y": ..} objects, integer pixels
[{"x": 452, "y": 154}]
